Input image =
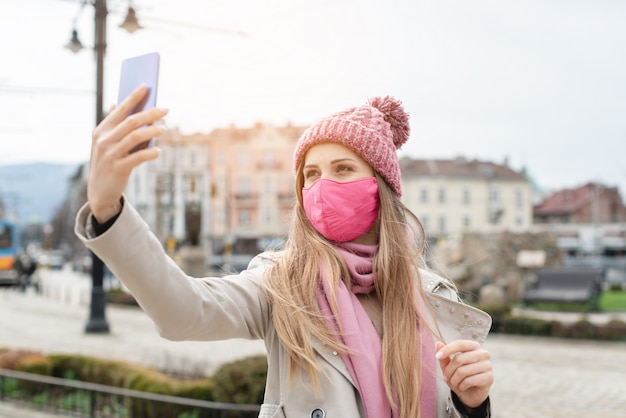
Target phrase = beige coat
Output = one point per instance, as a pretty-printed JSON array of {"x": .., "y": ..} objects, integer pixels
[{"x": 219, "y": 308}]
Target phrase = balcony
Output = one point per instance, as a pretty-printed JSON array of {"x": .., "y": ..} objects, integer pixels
[
  {"x": 286, "y": 199},
  {"x": 245, "y": 200}
]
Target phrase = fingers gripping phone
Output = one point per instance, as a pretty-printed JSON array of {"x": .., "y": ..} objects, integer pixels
[{"x": 141, "y": 69}]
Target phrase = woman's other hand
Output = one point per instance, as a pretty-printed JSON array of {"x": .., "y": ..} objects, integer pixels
[
  {"x": 467, "y": 370},
  {"x": 111, "y": 160}
]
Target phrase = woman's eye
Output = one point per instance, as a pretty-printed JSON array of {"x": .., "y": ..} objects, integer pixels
[{"x": 344, "y": 168}]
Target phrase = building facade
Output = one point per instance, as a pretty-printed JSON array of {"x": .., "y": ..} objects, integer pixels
[
  {"x": 252, "y": 188},
  {"x": 587, "y": 220},
  {"x": 229, "y": 192},
  {"x": 171, "y": 192},
  {"x": 451, "y": 197}
]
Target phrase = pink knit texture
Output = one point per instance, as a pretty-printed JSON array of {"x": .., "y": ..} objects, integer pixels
[{"x": 375, "y": 131}]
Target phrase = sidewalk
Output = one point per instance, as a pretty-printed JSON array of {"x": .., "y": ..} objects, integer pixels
[{"x": 534, "y": 377}]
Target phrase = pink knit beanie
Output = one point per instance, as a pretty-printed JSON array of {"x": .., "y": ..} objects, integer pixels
[{"x": 374, "y": 131}]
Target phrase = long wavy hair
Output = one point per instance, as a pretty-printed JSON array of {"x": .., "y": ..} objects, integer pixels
[{"x": 293, "y": 282}]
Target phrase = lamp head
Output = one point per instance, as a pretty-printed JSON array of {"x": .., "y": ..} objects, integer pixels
[
  {"x": 130, "y": 23},
  {"x": 74, "y": 44}
]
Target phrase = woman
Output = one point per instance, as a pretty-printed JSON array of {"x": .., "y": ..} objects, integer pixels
[{"x": 353, "y": 323}]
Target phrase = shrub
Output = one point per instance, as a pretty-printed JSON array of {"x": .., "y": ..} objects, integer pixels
[
  {"x": 89, "y": 369},
  {"x": 525, "y": 326},
  {"x": 153, "y": 381},
  {"x": 120, "y": 297},
  {"x": 10, "y": 359},
  {"x": 37, "y": 364},
  {"x": 583, "y": 329},
  {"x": 241, "y": 381},
  {"x": 615, "y": 329}
]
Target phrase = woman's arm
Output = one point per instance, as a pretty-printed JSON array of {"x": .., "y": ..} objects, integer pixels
[{"x": 182, "y": 307}]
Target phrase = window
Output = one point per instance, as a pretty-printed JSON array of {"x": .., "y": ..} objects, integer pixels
[
  {"x": 269, "y": 159},
  {"x": 494, "y": 194},
  {"x": 519, "y": 197},
  {"x": 244, "y": 159},
  {"x": 244, "y": 217},
  {"x": 424, "y": 221},
  {"x": 466, "y": 221},
  {"x": 268, "y": 186},
  {"x": 442, "y": 224},
  {"x": 243, "y": 187},
  {"x": 424, "y": 195},
  {"x": 466, "y": 195},
  {"x": 442, "y": 194},
  {"x": 268, "y": 216},
  {"x": 6, "y": 236}
]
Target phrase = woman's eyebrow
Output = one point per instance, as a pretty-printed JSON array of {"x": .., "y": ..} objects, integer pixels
[{"x": 338, "y": 160}]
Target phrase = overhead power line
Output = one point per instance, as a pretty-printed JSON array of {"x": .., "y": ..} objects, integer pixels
[{"x": 42, "y": 90}]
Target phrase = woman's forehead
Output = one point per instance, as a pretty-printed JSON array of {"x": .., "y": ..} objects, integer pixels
[{"x": 327, "y": 151}]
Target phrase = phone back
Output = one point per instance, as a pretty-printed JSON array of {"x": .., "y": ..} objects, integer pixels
[{"x": 142, "y": 69}]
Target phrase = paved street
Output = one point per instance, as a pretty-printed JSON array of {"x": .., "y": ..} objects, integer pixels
[{"x": 535, "y": 377}]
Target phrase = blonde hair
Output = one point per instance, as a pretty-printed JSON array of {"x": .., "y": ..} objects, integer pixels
[{"x": 293, "y": 282}]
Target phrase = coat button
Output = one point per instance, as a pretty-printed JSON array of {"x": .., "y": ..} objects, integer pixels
[{"x": 318, "y": 413}]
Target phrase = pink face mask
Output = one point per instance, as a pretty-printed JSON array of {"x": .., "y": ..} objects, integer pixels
[{"x": 342, "y": 211}]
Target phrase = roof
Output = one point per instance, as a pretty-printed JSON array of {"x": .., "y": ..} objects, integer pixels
[
  {"x": 459, "y": 167},
  {"x": 566, "y": 201}
]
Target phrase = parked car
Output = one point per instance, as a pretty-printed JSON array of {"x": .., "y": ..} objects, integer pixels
[
  {"x": 52, "y": 259},
  {"x": 82, "y": 263}
]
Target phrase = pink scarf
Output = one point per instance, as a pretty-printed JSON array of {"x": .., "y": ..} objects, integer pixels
[{"x": 361, "y": 337}]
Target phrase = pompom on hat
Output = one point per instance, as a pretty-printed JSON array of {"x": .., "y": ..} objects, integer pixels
[{"x": 374, "y": 131}]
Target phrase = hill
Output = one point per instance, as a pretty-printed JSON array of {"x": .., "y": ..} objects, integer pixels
[{"x": 32, "y": 192}]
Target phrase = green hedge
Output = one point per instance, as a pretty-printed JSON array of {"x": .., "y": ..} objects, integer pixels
[
  {"x": 614, "y": 330},
  {"x": 130, "y": 376},
  {"x": 242, "y": 381}
]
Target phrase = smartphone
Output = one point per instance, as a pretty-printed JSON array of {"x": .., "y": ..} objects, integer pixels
[{"x": 141, "y": 69}]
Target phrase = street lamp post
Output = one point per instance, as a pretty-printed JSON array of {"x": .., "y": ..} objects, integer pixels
[{"x": 97, "y": 322}]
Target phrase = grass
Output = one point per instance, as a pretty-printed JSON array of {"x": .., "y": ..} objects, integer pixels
[
  {"x": 613, "y": 301},
  {"x": 610, "y": 301}
]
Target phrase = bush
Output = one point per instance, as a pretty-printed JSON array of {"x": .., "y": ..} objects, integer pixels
[
  {"x": 37, "y": 364},
  {"x": 89, "y": 369},
  {"x": 525, "y": 326},
  {"x": 582, "y": 329},
  {"x": 10, "y": 359},
  {"x": 615, "y": 329},
  {"x": 120, "y": 297},
  {"x": 241, "y": 381},
  {"x": 149, "y": 380}
]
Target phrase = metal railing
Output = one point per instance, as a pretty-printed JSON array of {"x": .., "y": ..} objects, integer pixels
[{"x": 84, "y": 399}]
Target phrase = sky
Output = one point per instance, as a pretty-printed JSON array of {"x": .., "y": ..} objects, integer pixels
[{"x": 538, "y": 83}]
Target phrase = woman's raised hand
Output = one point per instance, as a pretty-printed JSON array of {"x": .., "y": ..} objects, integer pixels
[
  {"x": 467, "y": 370},
  {"x": 111, "y": 159}
]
